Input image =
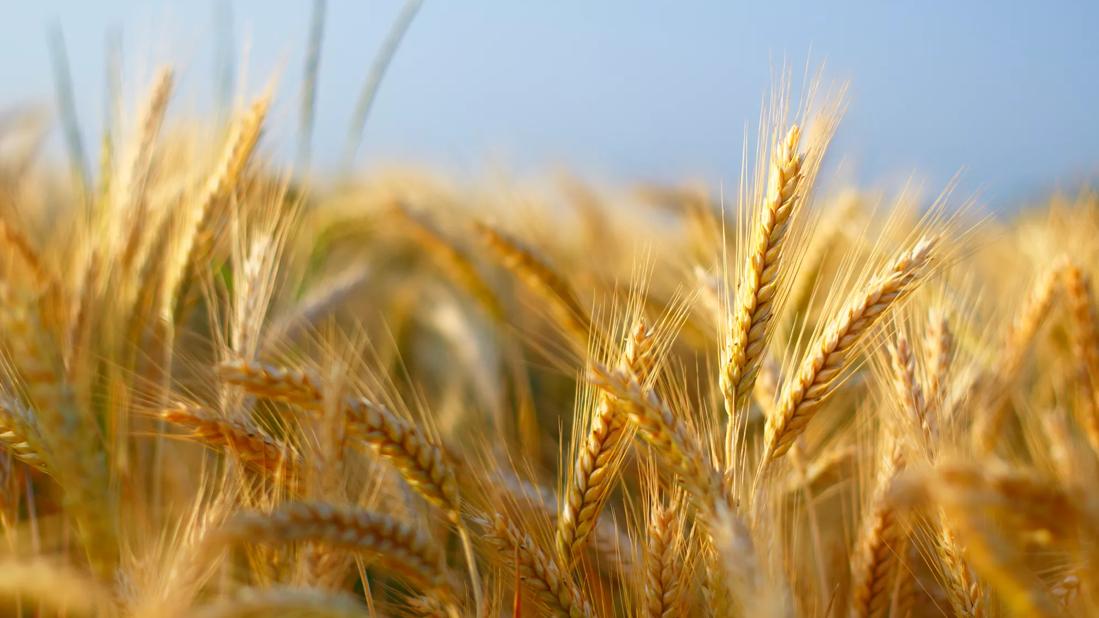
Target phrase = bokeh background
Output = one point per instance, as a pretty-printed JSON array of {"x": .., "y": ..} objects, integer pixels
[{"x": 1004, "y": 92}]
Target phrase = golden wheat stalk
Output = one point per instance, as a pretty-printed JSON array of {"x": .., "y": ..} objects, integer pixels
[
  {"x": 679, "y": 450},
  {"x": 831, "y": 353},
  {"x": 599, "y": 457},
  {"x": 451, "y": 258},
  {"x": 149, "y": 121},
  {"x": 1026, "y": 322},
  {"x": 250, "y": 445},
  {"x": 196, "y": 235},
  {"x": 875, "y": 562},
  {"x": 758, "y": 284},
  {"x": 1018, "y": 342},
  {"x": 904, "y": 584},
  {"x": 939, "y": 351},
  {"x": 611, "y": 544},
  {"x": 672, "y": 439},
  {"x": 272, "y": 382},
  {"x": 909, "y": 391},
  {"x": 1082, "y": 307},
  {"x": 665, "y": 561},
  {"x": 399, "y": 546},
  {"x": 541, "y": 280},
  {"x": 540, "y": 573},
  {"x": 963, "y": 589},
  {"x": 423, "y": 464}
]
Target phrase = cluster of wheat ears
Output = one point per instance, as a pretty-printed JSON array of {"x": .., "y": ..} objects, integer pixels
[{"x": 230, "y": 391}]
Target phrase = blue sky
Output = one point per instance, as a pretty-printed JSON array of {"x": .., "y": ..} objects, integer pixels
[{"x": 1006, "y": 92}]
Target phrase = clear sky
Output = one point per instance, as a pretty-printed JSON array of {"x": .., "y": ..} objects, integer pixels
[{"x": 1005, "y": 91}]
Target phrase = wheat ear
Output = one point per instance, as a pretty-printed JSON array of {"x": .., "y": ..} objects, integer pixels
[
  {"x": 939, "y": 350},
  {"x": 599, "y": 457},
  {"x": 539, "y": 572},
  {"x": 1082, "y": 307},
  {"x": 613, "y": 545},
  {"x": 196, "y": 234},
  {"x": 831, "y": 353},
  {"x": 1017, "y": 344},
  {"x": 875, "y": 558},
  {"x": 664, "y": 561},
  {"x": 908, "y": 389},
  {"x": 19, "y": 434},
  {"x": 251, "y": 446},
  {"x": 149, "y": 121},
  {"x": 757, "y": 287},
  {"x": 271, "y": 382},
  {"x": 1025, "y": 324},
  {"x": 423, "y": 464},
  {"x": 452, "y": 259},
  {"x": 963, "y": 589},
  {"x": 678, "y": 448},
  {"x": 399, "y": 545},
  {"x": 541, "y": 280},
  {"x": 672, "y": 439}
]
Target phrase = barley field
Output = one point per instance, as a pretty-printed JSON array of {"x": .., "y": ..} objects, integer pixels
[{"x": 229, "y": 388}]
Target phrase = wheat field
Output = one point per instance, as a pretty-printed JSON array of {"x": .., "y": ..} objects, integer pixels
[{"x": 228, "y": 389}]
